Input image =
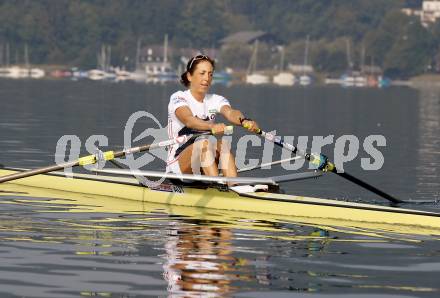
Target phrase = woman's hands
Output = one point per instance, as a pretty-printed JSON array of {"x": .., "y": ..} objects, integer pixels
[
  {"x": 218, "y": 128},
  {"x": 250, "y": 125},
  {"x": 236, "y": 117}
]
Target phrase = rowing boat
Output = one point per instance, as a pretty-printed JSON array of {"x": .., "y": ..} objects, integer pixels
[
  {"x": 212, "y": 193},
  {"x": 215, "y": 196},
  {"x": 61, "y": 201}
]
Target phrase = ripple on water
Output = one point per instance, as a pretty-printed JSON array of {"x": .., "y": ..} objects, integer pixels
[{"x": 50, "y": 249}]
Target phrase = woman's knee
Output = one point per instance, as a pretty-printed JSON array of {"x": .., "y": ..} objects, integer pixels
[
  {"x": 206, "y": 145},
  {"x": 224, "y": 148}
]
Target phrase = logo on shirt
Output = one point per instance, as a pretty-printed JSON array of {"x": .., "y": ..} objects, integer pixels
[
  {"x": 224, "y": 101},
  {"x": 178, "y": 100},
  {"x": 181, "y": 139},
  {"x": 210, "y": 117}
]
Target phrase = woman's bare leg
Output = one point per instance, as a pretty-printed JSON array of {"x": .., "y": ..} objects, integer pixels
[
  {"x": 200, "y": 154},
  {"x": 226, "y": 160},
  {"x": 209, "y": 157}
]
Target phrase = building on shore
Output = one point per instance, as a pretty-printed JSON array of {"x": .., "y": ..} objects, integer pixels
[{"x": 429, "y": 12}]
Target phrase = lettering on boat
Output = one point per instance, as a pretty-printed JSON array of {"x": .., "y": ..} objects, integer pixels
[{"x": 168, "y": 188}]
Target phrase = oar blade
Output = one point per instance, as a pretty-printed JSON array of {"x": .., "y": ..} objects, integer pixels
[{"x": 367, "y": 186}]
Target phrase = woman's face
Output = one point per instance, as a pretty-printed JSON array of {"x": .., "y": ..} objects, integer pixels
[{"x": 201, "y": 79}]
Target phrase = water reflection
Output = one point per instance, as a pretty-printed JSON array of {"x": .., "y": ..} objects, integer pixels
[
  {"x": 198, "y": 260},
  {"x": 428, "y": 142},
  {"x": 66, "y": 247},
  {"x": 203, "y": 259}
]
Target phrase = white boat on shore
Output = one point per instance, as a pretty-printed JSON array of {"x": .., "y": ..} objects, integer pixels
[
  {"x": 257, "y": 79},
  {"x": 17, "y": 72},
  {"x": 284, "y": 79},
  {"x": 305, "y": 80},
  {"x": 252, "y": 76},
  {"x": 97, "y": 74},
  {"x": 37, "y": 73}
]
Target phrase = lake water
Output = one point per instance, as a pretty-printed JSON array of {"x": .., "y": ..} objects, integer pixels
[{"x": 50, "y": 248}]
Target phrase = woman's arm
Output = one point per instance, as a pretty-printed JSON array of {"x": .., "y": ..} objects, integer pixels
[
  {"x": 185, "y": 116},
  {"x": 232, "y": 115},
  {"x": 236, "y": 117}
]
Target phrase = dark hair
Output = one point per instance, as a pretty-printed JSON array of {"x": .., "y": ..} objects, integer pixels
[{"x": 191, "y": 66}]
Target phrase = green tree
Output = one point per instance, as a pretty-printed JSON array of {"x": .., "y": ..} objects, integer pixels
[
  {"x": 201, "y": 24},
  {"x": 378, "y": 42},
  {"x": 411, "y": 52},
  {"x": 72, "y": 32},
  {"x": 236, "y": 55},
  {"x": 330, "y": 57}
]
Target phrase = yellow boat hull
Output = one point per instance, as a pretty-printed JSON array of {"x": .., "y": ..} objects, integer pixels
[{"x": 132, "y": 197}]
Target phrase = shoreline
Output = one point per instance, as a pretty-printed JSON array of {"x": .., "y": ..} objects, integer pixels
[{"x": 238, "y": 77}]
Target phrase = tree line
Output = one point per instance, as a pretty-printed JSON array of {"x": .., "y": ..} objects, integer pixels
[{"x": 71, "y": 32}]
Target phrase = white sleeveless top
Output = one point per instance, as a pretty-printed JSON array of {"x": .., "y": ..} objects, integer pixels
[{"x": 206, "y": 110}]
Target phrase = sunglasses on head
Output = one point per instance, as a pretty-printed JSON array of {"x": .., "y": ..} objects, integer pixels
[{"x": 198, "y": 57}]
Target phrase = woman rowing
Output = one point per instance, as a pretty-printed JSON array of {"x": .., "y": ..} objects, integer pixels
[{"x": 194, "y": 110}]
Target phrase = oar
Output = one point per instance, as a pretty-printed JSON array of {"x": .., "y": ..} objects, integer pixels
[
  {"x": 325, "y": 165},
  {"x": 277, "y": 162},
  {"x": 108, "y": 155}
]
